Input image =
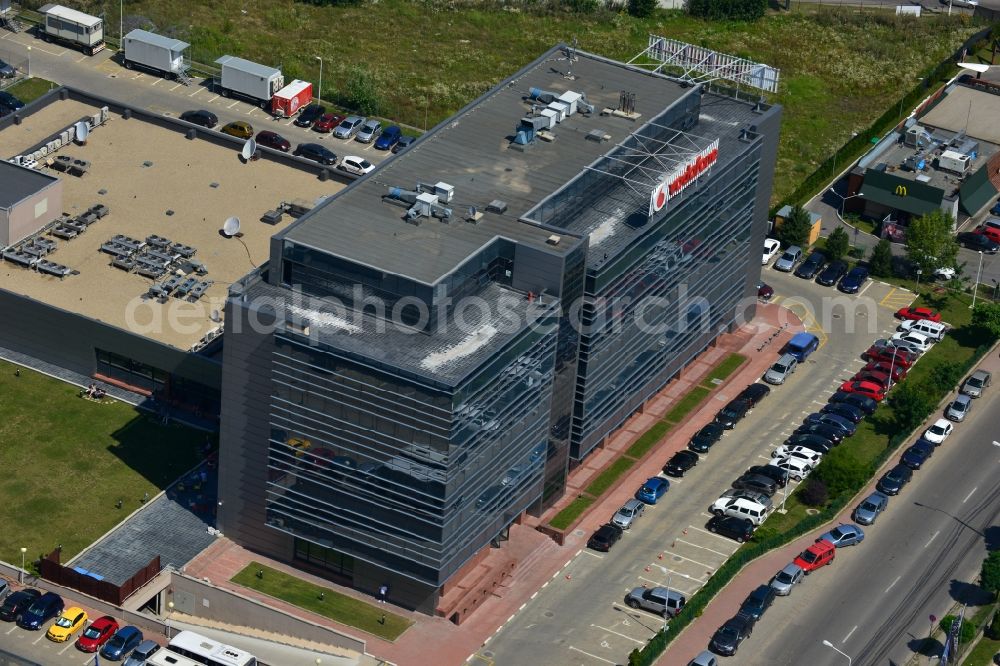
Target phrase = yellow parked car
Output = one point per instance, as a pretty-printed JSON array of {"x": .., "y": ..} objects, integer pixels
[
  {"x": 238, "y": 128},
  {"x": 70, "y": 622}
]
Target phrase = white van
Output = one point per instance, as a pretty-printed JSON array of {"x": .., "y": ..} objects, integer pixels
[
  {"x": 741, "y": 507},
  {"x": 932, "y": 329}
]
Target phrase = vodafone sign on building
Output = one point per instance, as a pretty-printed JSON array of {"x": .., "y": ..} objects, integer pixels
[{"x": 683, "y": 175}]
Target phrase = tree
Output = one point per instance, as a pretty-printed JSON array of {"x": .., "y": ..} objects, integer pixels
[
  {"x": 728, "y": 10},
  {"x": 945, "y": 376},
  {"x": 910, "y": 405},
  {"x": 362, "y": 91},
  {"x": 796, "y": 227},
  {"x": 880, "y": 263},
  {"x": 986, "y": 317},
  {"x": 837, "y": 245},
  {"x": 642, "y": 8},
  {"x": 814, "y": 493},
  {"x": 989, "y": 577},
  {"x": 929, "y": 242},
  {"x": 841, "y": 472}
]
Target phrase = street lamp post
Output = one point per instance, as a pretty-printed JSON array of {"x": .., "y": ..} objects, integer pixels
[
  {"x": 979, "y": 275},
  {"x": 996, "y": 287},
  {"x": 834, "y": 647},
  {"x": 20, "y": 574},
  {"x": 319, "y": 95},
  {"x": 121, "y": 24},
  {"x": 170, "y": 612},
  {"x": 666, "y": 613}
]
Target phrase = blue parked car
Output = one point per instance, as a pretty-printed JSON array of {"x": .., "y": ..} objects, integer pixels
[
  {"x": 124, "y": 641},
  {"x": 652, "y": 490},
  {"x": 854, "y": 280},
  {"x": 388, "y": 138},
  {"x": 48, "y": 606}
]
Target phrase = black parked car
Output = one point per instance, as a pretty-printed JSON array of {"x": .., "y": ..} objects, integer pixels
[
  {"x": 894, "y": 480},
  {"x": 835, "y": 420},
  {"x": 201, "y": 117},
  {"x": 681, "y": 462},
  {"x": 849, "y": 412},
  {"x": 812, "y": 265},
  {"x": 854, "y": 280},
  {"x": 733, "y": 527},
  {"x": 754, "y": 393},
  {"x": 862, "y": 402},
  {"x": 403, "y": 143},
  {"x": 827, "y": 432},
  {"x": 9, "y": 101},
  {"x": 757, "y": 482},
  {"x": 773, "y": 472},
  {"x": 969, "y": 239},
  {"x": 731, "y": 414},
  {"x": 17, "y": 603},
  {"x": 316, "y": 153},
  {"x": 706, "y": 437},
  {"x": 758, "y": 602},
  {"x": 813, "y": 442},
  {"x": 309, "y": 115},
  {"x": 915, "y": 456},
  {"x": 606, "y": 536},
  {"x": 728, "y": 637},
  {"x": 832, "y": 273}
]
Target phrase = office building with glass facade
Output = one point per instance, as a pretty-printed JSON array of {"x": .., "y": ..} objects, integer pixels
[{"x": 428, "y": 352}]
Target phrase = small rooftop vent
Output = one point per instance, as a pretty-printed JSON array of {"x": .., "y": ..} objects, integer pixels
[
  {"x": 497, "y": 206},
  {"x": 553, "y": 239}
]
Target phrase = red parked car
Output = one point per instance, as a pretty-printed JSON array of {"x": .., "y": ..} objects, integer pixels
[
  {"x": 880, "y": 378},
  {"x": 815, "y": 556},
  {"x": 97, "y": 634},
  {"x": 918, "y": 314},
  {"x": 898, "y": 371},
  {"x": 273, "y": 140},
  {"x": 886, "y": 354},
  {"x": 869, "y": 389},
  {"x": 327, "y": 122}
]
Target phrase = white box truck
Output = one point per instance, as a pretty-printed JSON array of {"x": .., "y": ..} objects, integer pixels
[
  {"x": 73, "y": 28},
  {"x": 164, "y": 55},
  {"x": 248, "y": 79}
]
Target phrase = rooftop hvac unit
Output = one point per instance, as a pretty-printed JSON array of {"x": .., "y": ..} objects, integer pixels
[
  {"x": 561, "y": 109},
  {"x": 550, "y": 116},
  {"x": 424, "y": 203},
  {"x": 570, "y": 98},
  {"x": 444, "y": 191}
]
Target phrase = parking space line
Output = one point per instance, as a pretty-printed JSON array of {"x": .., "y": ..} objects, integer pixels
[
  {"x": 612, "y": 631},
  {"x": 232, "y": 105},
  {"x": 196, "y": 92},
  {"x": 718, "y": 536},
  {"x": 212, "y": 99},
  {"x": 701, "y": 564},
  {"x": 704, "y": 548},
  {"x": 176, "y": 86},
  {"x": 628, "y": 609},
  {"x": 82, "y": 58},
  {"x": 155, "y": 82},
  {"x": 587, "y": 552},
  {"x": 137, "y": 75},
  {"x": 606, "y": 661}
]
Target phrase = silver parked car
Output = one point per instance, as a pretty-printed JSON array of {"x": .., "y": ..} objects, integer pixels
[
  {"x": 959, "y": 408},
  {"x": 844, "y": 535},
  {"x": 787, "y": 261},
  {"x": 628, "y": 514},
  {"x": 976, "y": 383},
  {"x": 781, "y": 370},
  {"x": 140, "y": 654},
  {"x": 369, "y": 130},
  {"x": 870, "y": 508},
  {"x": 787, "y": 578},
  {"x": 660, "y": 600},
  {"x": 349, "y": 127}
]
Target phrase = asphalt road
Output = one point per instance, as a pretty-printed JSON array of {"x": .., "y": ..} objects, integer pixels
[
  {"x": 103, "y": 75},
  {"x": 580, "y": 617},
  {"x": 918, "y": 559}
]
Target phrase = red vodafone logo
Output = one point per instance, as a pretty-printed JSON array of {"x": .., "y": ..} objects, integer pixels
[
  {"x": 659, "y": 197},
  {"x": 680, "y": 178}
]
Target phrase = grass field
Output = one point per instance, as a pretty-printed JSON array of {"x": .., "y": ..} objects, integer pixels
[
  {"x": 66, "y": 461},
  {"x": 29, "y": 90},
  {"x": 323, "y": 601},
  {"x": 840, "y": 69}
]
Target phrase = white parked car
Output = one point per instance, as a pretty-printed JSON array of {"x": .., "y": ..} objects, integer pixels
[
  {"x": 945, "y": 273},
  {"x": 797, "y": 468},
  {"x": 771, "y": 249},
  {"x": 799, "y": 452},
  {"x": 938, "y": 432},
  {"x": 918, "y": 342},
  {"x": 356, "y": 165}
]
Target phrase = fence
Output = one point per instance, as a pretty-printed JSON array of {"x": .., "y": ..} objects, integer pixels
[{"x": 50, "y": 569}]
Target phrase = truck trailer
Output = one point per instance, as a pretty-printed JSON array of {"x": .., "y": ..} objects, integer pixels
[
  {"x": 73, "y": 28},
  {"x": 164, "y": 55},
  {"x": 248, "y": 79},
  {"x": 291, "y": 99}
]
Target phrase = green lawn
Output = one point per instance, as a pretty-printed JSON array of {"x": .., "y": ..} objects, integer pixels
[
  {"x": 722, "y": 371},
  {"x": 609, "y": 476},
  {"x": 66, "y": 461},
  {"x": 29, "y": 90},
  {"x": 573, "y": 510},
  {"x": 323, "y": 601},
  {"x": 687, "y": 404},
  {"x": 840, "y": 69}
]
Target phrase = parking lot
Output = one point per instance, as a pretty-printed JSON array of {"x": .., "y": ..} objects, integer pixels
[{"x": 580, "y": 617}]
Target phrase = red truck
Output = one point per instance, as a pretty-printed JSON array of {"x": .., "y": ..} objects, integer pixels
[{"x": 291, "y": 99}]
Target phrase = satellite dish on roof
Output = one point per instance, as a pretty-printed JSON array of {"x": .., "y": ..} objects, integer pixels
[
  {"x": 249, "y": 148},
  {"x": 82, "y": 131},
  {"x": 231, "y": 227}
]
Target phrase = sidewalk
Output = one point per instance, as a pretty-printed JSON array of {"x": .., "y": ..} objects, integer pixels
[
  {"x": 453, "y": 644},
  {"x": 696, "y": 635}
]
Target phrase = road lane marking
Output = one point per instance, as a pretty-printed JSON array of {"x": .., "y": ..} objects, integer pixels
[
  {"x": 932, "y": 538},
  {"x": 606, "y": 661},
  {"x": 704, "y": 548},
  {"x": 891, "y": 585},
  {"x": 636, "y": 640},
  {"x": 849, "y": 634},
  {"x": 971, "y": 491},
  {"x": 587, "y": 552}
]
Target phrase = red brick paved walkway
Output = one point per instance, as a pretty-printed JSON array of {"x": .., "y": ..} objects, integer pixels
[{"x": 436, "y": 640}]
